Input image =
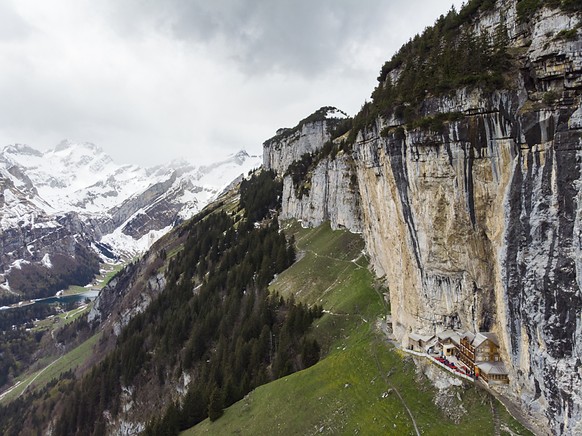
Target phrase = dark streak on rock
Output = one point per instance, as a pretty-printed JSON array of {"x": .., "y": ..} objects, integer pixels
[
  {"x": 397, "y": 150},
  {"x": 513, "y": 276}
]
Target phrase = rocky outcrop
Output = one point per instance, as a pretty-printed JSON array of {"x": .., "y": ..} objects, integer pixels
[
  {"x": 478, "y": 226},
  {"x": 309, "y": 136},
  {"x": 42, "y": 257},
  {"x": 328, "y": 189},
  {"x": 128, "y": 286},
  {"x": 332, "y": 196},
  {"x": 132, "y": 290},
  {"x": 287, "y": 147},
  {"x": 153, "y": 209}
]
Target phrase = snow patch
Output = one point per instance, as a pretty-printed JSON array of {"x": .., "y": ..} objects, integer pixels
[
  {"x": 17, "y": 264},
  {"x": 46, "y": 261},
  {"x": 77, "y": 188},
  {"x": 128, "y": 246}
]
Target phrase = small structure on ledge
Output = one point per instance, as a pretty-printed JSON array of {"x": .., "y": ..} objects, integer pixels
[
  {"x": 479, "y": 352},
  {"x": 449, "y": 342},
  {"x": 421, "y": 343},
  {"x": 492, "y": 372}
]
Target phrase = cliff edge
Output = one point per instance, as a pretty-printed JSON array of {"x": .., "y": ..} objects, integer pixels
[{"x": 463, "y": 174}]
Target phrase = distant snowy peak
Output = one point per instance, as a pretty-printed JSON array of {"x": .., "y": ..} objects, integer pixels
[
  {"x": 222, "y": 172},
  {"x": 81, "y": 178},
  {"x": 67, "y": 144},
  {"x": 61, "y": 175},
  {"x": 241, "y": 157},
  {"x": 20, "y": 149},
  {"x": 64, "y": 207}
]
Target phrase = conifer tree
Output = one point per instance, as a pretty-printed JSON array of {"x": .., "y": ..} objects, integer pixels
[{"x": 215, "y": 404}]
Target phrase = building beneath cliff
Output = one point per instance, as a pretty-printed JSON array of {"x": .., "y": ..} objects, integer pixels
[
  {"x": 477, "y": 353},
  {"x": 480, "y": 353},
  {"x": 474, "y": 221}
]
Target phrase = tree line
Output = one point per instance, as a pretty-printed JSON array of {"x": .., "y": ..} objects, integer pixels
[{"x": 443, "y": 58}]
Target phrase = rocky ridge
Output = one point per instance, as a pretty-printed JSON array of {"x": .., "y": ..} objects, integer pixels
[
  {"x": 332, "y": 197},
  {"x": 309, "y": 136},
  {"x": 477, "y": 226}
]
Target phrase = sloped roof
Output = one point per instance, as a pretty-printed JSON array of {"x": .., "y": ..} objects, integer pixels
[
  {"x": 450, "y": 334},
  {"x": 446, "y": 334},
  {"x": 468, "y": 335},
  {"x": 484, "y": 336},
  {"x": 423, "y": 338},
  {"x": 497, "y": 368},
  {"x": 479, "y": 339},
  {"x": 432, "y": 342},
  {"x": 492, "y": 337}
]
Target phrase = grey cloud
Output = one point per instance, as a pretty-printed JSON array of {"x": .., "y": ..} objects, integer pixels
[
  {"x": 302, "y": 36},
  {"x": 151, "y": 80}
]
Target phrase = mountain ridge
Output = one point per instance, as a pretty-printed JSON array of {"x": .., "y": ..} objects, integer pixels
[
  {"x": 467, "y": 197},
  {"x": 79, "y": 193}
]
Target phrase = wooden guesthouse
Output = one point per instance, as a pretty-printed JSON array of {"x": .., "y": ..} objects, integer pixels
[
  {"x": 449, "y": 341},
  {"x": 480, "y": 353}
]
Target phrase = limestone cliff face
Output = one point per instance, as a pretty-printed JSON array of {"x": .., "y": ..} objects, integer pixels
[
  {"x": 485, "y": 238},
  {"x": 479, "y": 226},
  {"x": 328, "y": 192},
  {"x": 280, "y": 153},
  {"x": 332, "y": 196}
]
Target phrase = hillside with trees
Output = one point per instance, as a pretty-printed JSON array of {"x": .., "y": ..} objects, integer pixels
[{"x": 215, "y": 322}]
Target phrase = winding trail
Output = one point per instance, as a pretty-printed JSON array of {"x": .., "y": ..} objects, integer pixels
[
  {"x": 495, "y": 414},
  {"x": 30, "y": 382},
  {"x": 38, "y": 374},
  {"x": 340, "y": 276},
  {"x": 336, "y": 259},
  {"x": 9, "y": 390},
  {"x": 392, "y": 387},
  {"x": 512, "y": 409},
  {"x": 374, "y": 350}
]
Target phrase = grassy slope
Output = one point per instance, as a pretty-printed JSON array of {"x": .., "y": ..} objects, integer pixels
[
  {"x": 53, "y": 369},
  {"x": 100, "y": 281},
  {"x": 355, "y": 388}
]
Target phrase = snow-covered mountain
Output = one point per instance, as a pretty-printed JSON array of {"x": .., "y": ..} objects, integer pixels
[{"x": 69, "y": 203}]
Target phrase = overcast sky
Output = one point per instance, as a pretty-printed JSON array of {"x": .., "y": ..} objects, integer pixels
[{"x": 154, "y": 80}]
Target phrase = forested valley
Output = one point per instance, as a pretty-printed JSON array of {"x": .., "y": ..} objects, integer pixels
[{"x": 215, "y": 321}]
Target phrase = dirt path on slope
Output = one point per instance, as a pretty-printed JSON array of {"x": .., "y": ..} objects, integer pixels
[
  {"x": 392, "y": 387},
  {"x": 38, "y": 375}
]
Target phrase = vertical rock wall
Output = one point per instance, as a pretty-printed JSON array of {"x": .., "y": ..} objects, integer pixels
[
  {"x": 480, "y": 227},
  {"x": 332, "y": 196},
  {"x": 433, "y": 214},
  {"x": 290, "y": 144},
  {"x": 486, "y": 238}
]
